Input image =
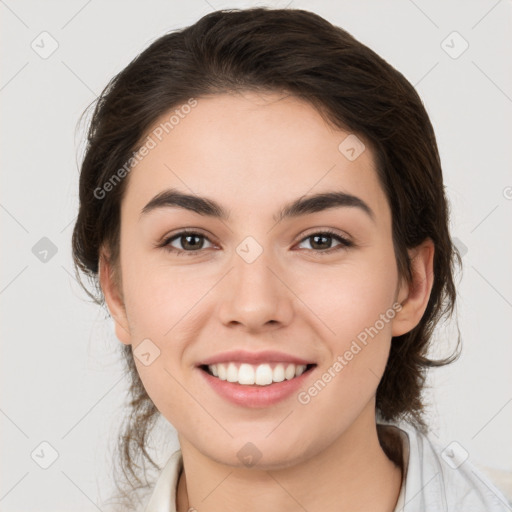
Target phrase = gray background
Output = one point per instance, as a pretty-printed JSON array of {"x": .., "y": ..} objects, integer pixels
[{"x": 61, "y": 380}]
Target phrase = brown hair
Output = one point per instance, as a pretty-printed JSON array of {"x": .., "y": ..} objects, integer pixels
[{"x": 300, "y": 53}]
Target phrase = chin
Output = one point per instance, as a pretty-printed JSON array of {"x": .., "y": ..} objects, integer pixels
[{"x": 263, "y": 455}]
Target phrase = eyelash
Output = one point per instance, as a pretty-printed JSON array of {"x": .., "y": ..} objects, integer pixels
[{"x": 344, "y": 242}]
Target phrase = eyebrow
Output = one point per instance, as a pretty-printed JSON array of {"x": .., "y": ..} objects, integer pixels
[{"x": 301, "y": 206}]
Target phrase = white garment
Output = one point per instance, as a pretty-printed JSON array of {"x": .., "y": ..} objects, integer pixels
[{"x": 434, "y": 481}]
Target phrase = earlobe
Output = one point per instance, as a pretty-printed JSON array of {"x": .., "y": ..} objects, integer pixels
[
  {"x": 113, "y": 299},
  {"x": 414, "y": 296}
]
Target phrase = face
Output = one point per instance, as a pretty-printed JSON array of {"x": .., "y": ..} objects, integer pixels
[{"x": 251, "y": 296}]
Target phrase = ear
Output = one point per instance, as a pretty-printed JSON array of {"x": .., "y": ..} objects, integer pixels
[
  {"x": 414, "y": 296},
  {"x": 111, "y": 287}
]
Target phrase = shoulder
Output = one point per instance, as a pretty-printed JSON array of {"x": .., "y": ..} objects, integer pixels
[{"x": 441, "y": 477}]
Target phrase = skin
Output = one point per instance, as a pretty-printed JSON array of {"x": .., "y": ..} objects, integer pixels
[{"x": 253, "y": 153}]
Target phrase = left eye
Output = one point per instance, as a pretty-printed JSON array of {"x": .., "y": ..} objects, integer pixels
[{"x": 323, "y": 238}]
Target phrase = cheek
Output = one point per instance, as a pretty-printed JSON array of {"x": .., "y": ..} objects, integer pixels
[
  {"x": 162, "y": 388},
  {"x": 351, "y": 298},
  {"x": 356, "y": 304},
  {"x": 159, "y": 296},
  {"x": 358, "y": 354}
]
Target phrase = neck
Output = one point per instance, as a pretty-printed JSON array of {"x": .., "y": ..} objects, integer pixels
[{"x": 352, "y": 474}]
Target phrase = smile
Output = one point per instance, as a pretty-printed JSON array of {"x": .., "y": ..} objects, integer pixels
[{"x": 256, "y": 374}]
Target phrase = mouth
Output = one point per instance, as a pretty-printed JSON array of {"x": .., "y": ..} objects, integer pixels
[{"x": 264, "y": 374}]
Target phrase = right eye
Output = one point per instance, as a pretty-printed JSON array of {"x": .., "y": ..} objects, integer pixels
[{"x": 190, "y": 241}]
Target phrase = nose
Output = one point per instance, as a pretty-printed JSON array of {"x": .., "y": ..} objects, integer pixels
[{"x": 255, "y": 295}]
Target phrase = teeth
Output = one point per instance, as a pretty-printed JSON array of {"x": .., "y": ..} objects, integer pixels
[
  {"x": 299, "y": 370},
  {"x": 232, "y": 373},
  {"x": 278, "y": 373},
  {"x": 245, "y": 374},
  {"x": 289, "y": 373},
  {"x": 261, "y": 375},
  {"x": 222, "y": 371}
]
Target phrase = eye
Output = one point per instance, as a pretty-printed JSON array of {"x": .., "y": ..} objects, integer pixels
[
  {"x": 190, "y": 242},
  {"x": 321, "y": 241}
]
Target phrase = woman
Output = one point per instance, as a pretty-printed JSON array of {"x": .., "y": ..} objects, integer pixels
[{"x": 262, "y": 209}]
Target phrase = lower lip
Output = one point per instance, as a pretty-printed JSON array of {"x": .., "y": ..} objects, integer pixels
[{"x": 255, "y": 396}]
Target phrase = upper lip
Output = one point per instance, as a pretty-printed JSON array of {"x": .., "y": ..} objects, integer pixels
[{"x": 244, "y": 356}]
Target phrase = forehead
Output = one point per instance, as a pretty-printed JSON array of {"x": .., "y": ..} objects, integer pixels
[{"x": 249, "y": 150}]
